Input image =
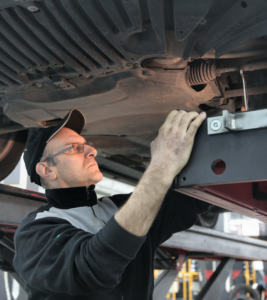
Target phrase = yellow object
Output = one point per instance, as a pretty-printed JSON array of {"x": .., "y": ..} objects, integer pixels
[
  {"x": 157, "y": 273},
  {"x": 187, "y": 275},
  {"x": 173, "y": 291},
  {"x": 249, "y": 276}
]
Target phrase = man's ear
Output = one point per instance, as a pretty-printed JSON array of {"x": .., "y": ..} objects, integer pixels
[{"x": 45, "y": 171}]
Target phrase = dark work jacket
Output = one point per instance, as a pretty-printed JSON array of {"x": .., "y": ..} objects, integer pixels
[{"x": 73, "y": 248}]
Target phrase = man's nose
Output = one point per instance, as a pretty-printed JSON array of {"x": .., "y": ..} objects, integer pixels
[{"x": 89, "y": 151}]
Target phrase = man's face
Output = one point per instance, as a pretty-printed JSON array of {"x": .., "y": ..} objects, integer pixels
[{"x": 76, "y": 169}]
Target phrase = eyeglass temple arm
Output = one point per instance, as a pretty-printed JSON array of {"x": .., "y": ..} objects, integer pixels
[{"x": 62, "y": 151}]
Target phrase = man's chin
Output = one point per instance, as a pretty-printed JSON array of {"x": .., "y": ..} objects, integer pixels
[{"x": 98, "y": 176}]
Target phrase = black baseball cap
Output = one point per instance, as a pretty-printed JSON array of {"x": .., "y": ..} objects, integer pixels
[{"x": 74, "y": 120}]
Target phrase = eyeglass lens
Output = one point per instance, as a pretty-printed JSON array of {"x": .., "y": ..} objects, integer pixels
[{"x": 78, "y": 148}]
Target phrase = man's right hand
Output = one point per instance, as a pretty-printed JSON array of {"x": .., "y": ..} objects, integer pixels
[{"x": 172, "y": 147}]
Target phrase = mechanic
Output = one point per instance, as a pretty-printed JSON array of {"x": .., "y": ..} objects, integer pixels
[{"x": 78, "y": 247}]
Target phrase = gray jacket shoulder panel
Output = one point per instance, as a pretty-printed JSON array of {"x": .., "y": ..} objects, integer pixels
[{"x": 90, "y": 219}]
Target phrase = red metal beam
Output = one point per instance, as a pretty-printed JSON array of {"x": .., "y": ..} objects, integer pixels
[{"x": 237, "y": 197}]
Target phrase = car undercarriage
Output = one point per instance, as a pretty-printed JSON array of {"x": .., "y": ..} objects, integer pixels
[{"x": 125, "y": 64}]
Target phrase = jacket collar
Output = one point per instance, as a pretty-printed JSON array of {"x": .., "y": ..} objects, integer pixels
[{"x": 71, "y": 197}]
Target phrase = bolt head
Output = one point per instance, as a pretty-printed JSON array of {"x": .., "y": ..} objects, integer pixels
[
  {"x": 216, "y": 125},
  {"x": 85, "y": 75},
  {"x": 203, "y": 22},
  {"x": 33, "y": 8}
]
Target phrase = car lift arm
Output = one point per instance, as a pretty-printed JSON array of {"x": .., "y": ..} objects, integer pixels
[
  {"x": 215, "y": 285},
  {"x": 228, "y": 164},
  {"x": 203, "y": 243}
]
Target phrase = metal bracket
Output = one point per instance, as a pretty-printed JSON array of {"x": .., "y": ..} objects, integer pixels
[
  {"x": 237, "y": 121},
  {"x": 228, "y": 120},
  {"x": 237, "y": 156}
]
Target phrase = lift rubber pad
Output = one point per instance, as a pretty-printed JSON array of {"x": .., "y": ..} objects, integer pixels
[{"x": 244, "y": 153}]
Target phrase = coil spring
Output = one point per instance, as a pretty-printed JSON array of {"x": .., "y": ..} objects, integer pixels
[{"x": 201, "y": 74}]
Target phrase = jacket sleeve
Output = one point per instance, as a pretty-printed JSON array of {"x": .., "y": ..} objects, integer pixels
[
  {"x": 177, "y": 213},
  {"x": 54, "y": 257}
]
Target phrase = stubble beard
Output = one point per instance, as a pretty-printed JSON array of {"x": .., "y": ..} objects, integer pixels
[{"x": 84, "y": 178}]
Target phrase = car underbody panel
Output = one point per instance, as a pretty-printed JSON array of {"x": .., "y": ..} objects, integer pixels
[{"x": 126, "y": 64}]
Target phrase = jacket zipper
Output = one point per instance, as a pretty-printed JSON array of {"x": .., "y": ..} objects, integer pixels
[{"x": 88, "y": 201}]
